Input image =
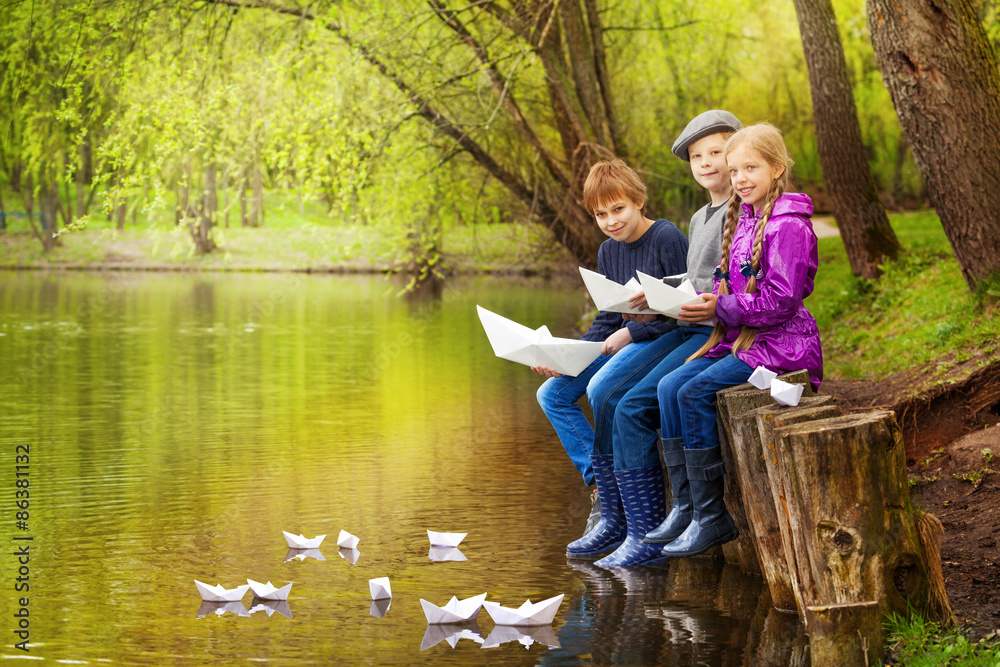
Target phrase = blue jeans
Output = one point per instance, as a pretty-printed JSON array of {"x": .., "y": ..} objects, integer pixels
[
  {"x": 638, "y": 413},
  {"x": 559, "y": 400},
  {"x": 687, "y": 398}
]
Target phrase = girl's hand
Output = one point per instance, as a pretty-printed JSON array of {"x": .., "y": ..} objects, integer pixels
[
  {"x": 616, "y": 341},
  {"x": 546, "y": 372},
  {"x": 696, "y": 312},
  {"x": 638, "y": 300}
]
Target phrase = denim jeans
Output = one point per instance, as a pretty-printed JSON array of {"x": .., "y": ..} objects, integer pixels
[
  {"x": 687, "y": 398},
  {"x": 638, "y": 413},
  {"x": 559, "y": 400}
]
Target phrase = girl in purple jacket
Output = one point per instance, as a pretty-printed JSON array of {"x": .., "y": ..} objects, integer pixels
[{"x": 768, "y": 265}]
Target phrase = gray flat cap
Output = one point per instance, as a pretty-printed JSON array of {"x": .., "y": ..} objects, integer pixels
[{"x": 703, "y": 125}]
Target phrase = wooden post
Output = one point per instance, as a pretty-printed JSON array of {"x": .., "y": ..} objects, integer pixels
[{"x": 845, "y": 634}]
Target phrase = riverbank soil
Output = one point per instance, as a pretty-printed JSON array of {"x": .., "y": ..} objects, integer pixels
[{"x": 952, "y": 434}]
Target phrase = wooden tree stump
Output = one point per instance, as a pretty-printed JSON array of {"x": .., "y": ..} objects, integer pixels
[
  {"x": 845, "y": 634},
  {"x": 758, "y": 498},
  {"x": 849, "y": 510}
]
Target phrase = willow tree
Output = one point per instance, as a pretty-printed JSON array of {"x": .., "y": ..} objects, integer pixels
[{"x": 477, "y": 73}]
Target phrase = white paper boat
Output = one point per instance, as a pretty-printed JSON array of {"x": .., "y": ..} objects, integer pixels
[
  {"x": 526, "y": 636},
  {"x": 220, "y": 608},
  {"x": 350, "y": 555},
  {"x": 302, "y": 554},
  {"x": 271, "y": 606},
  {"x": 379, "y": 607},
  {"x": 220, "y": 594},
  {"x": 445, "y": 539},
  {"x": 786, "y": 393},
  {"x": 347, "y": 541},
  {"x": 379, "y": 588},
  {"x": 450, "y": 633},
  {"x": 441, "y": 554},
  {"x": 666, "y": 299},
  {"x": 538, "y": 613},
  {"x": 609, "y": 295},
  {"x": 537, "y": 347},
  {"x": 300, "y": 541},
  {"x": 455, "y": 611},
  {"x": 269, "y": 592},
  {"x": 762, "y": 377}
]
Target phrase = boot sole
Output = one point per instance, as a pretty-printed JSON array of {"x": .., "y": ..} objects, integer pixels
[
  {"x": 598, "y": 552},
  {"x": 687, "y": 554}
]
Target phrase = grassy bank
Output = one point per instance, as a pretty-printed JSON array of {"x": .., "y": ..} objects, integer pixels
[{"x": 916, "y": 642}]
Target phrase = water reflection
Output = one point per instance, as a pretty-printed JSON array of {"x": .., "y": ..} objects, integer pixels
[
  {"x": 442, "y": 554},
  {"x": 302, "y": 554},
  {"x": 221, "y": 608},
  {"x": 450, "y": 633},
  {"x": 379, "y": 607},
  {"x": 271, "y": 606}
]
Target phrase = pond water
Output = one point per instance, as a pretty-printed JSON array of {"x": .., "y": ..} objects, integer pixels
[{"x": 176, "y": 424}]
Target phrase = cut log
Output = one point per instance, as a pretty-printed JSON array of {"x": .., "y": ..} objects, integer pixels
[{"x": 845, "y": 634}]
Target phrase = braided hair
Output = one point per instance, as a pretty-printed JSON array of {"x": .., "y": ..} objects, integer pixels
[{"x": 765, "y": 141}]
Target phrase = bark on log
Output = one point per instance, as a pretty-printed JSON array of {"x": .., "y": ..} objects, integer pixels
[
  {"x": 845, "y": 634},
  {"x": 732, "y": 402},
  {"x": 758, "y": 499},
  {"x": 850, "y": 513}
]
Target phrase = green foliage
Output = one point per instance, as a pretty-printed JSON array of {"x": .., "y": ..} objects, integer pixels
[{"x": 922, "y": 643}]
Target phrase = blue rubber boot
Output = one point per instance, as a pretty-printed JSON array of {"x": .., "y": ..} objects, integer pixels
[
  {"x": 680, "y": 514},
  {"x": 645, "y": 506},
  {"x": 609, "y": 532},
  {"x": 711, "y": 524}
]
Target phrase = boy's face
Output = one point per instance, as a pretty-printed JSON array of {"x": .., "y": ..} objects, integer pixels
[
  {"x": 620, "y": 219},
  {"x": 708, "y": 165}
]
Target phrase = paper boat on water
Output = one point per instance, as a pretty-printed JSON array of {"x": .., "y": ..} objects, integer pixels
[
  {"x": 220, "y": 608},
  {"x": 379, "y": 607},
  {"x": 350, "y": 555},
  {"x": 269, "y": 592},
  {"x": 538, "y": 613},
  {"x": 379, "y": 588},
  {"x": 455, "y": 611},
  {"x": 347, "y": 541},
  {"x": 666, "y": 299},
  {"x": 450, "y": 633},
  {"x": 220, "y": 594},
  {"x": 445, "y": 539},
  {"x": 762, "y": 377},
  {"x": 441, "y": 554},
  {"x": 786, "y": 393},
  {"x": 271, "y": 606},
  {"x": 526, "y": 636},
  {"x": 537, "y": 347},
  {"x": 300, "y": 541},
  {"x": 302, "y": 554},
  {"x": 609, "y": 295}
]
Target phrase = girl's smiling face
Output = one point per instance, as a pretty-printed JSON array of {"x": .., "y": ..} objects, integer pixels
[{"x": 751, "y": 175}]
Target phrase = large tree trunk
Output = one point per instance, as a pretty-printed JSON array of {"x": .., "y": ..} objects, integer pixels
[
  {"x": 942, "y": 74},
  {"x": 864, "y": 226}
]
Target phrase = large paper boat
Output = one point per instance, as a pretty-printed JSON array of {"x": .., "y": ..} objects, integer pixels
[
  {"x": 537, "y": 613},
  {"x": 537, "y": 347},
  {"x": 300, "y": 541},
  {"x": 450, "y": 633},
  {"x": 609, "y": 295},
  {"x": 347, "y": 541},
  {"x": 455, "y": 611},
  {"x": 526, "y": 636},
  {"x": 220, "y": 594},
  {"x": 445, "y": 539},
  {"x": 665, "y": 299},
  {"x": 269, "y": 592}
]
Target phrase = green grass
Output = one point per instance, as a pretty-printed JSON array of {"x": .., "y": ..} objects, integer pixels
[{"x": 917, "y": 642}]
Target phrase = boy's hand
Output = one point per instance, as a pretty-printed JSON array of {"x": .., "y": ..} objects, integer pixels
[
  {"x": 696, "y": 312},
  {"x": 638, "y": 300},
  {"x": 546, "y": 372},
  {"x": 616, "y": 341},
  {"x": 635, "y": 317}
]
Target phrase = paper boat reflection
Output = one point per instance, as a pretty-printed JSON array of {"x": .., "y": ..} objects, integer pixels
[
  {"x": 220, "y": 594},
  {"x": 445, "y": 553},
  {"x": 450, "y": 633},
  {"x": 347, "y": 541},
  {"x": 352, "y": 555},
  {"x": 271, "y": 606},
  {"x": 302, "y": 554},
  {"x": 269, "y": 592},
  {"x": 220, "y": 608},
  {"x": 537, "y": 613},
  {"x": 455, "y": 611},
  {"x": 379, "y": 607},
  {"x": 445, "y": 539},
  {"x": 301, "y": 542},
  {"x": 526, "y": 636}
]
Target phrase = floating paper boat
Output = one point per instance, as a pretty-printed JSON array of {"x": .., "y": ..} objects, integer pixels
[
  {"x": 762, "y": 378},
  {"x": 379, "y": 588},
  {"x": 220, "y": 608},
  {"x": 786, "y": 393},
  {"x": 271, "y": 606},
  {"x": 350, "y": 555},
  {"x": 347, "y": 541},
  {"x": 302, "y": 554},
  {"x": 379, "y": 607},
  {"x": 220, "y": 594},
  {"x": 269, "y": 592},
  {"x": 445, "y": 554},
  {"x": 538, "y": 613},
  {"x": 537, "y": 347},
  {"x": 300, "y": 541},
  {"x": 526, "y": 636},
  {"x": 450, "y": 633},
  {"x": 665, "y": 299},
  {"x": 445, "y": 539},
  {"x": 609, "y": 295},
  {"x": 455, "y": 611}
]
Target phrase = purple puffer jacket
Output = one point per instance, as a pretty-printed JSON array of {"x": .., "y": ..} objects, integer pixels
[{"x": 787, "y": 335}]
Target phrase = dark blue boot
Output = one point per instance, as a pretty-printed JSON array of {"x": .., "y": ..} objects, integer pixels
[
  {"x": 711, "y": 524},
  {"x": 680, "y": 514},
  {"x": 645, "y": 506},
  {"x": 609, "y": 532}
]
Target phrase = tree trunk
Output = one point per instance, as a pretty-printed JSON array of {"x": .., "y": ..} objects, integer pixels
[
  {"x": 257, "y": 204},
  {"x": 864, "y": 226},
  {"x": 50, "y": 216},
  {"x": 942, "y": 75},
  {"x": 120, "y": 211},
  {"x": 845, "y": 634},
  {"x": 81, "y": 177}
]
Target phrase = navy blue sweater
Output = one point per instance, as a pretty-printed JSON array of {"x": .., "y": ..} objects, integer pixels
[{"x": 661, "y": 251}]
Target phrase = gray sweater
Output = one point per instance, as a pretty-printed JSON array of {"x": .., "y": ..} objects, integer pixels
[{"x": 705, "y": 247}]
